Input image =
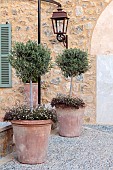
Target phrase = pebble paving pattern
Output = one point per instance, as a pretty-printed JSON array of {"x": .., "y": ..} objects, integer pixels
[{"x": 93, "y": 150}]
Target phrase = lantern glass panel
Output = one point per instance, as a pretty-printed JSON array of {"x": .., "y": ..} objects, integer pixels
[
  {"x": 65, "y": 25},
  {"x": 54, "y": 23},
  {"x": 60, "y": 26}
]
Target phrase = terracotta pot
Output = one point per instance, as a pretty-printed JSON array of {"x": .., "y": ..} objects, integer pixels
[
  {"x": 31, "y": 140},
  {"x": 70, "y": 121},
  {"x": 27, "y": 93}
]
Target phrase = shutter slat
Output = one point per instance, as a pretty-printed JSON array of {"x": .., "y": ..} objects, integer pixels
[
  {"x": 5, "y": 40},
  {"x": 5, "y": 46}
]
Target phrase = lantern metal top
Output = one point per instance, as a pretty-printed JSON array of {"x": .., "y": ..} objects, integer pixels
[{"x": 59, "y": 14}]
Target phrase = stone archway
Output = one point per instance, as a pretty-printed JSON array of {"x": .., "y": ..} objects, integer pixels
[{"x": 102, "y": 49}]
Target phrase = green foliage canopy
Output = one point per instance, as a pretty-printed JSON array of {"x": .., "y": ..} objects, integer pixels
[
  {"x": 73, "y": 62},
  {"x": 30, "y": 60}
]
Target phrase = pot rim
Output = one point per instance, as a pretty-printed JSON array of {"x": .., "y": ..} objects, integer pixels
[{"x": 31, "y": 122}]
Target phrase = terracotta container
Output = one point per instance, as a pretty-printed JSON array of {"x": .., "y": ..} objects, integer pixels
[
  {"x": 31, "y": 140},
  {"x": 27, "y": 94},
  {"x": 70, "y": 121}
]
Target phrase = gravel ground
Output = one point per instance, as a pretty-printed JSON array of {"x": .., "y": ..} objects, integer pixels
[
  {"x": 103, "y": 128},
  {"x": 93, "y": 150}
]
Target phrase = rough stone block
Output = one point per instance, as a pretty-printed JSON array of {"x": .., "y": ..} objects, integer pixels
[{"x": 6, "y": 140}]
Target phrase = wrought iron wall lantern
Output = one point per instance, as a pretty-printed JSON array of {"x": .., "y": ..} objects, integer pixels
[{"x": 60, "y": 24}]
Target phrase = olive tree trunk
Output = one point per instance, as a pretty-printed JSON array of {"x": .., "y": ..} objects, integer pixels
[
  {"x": 71, "y": 86},
  {"x": 31, "y": 96}
]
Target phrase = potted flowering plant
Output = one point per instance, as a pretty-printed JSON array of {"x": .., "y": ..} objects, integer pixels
[
  {"x": 31, "y": 126},
  {"x": 72, "y": 62},
  {"x": 31, "y": 132}
]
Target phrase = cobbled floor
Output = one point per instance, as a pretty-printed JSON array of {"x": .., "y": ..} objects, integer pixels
[{"x": 93, "y": 150}]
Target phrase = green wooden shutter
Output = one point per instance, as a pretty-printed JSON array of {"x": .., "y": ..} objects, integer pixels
[{"x": 5, "y": 47}]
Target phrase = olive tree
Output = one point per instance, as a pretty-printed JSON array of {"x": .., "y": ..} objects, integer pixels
[
  {"x": 30, "y": 61},
  {"x": 72, "y": 62}
]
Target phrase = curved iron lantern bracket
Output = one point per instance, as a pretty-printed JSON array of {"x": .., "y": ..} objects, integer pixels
[{"x": 53, "y": 2}]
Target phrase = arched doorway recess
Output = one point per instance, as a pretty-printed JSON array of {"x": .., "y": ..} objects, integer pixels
[{"x": 102, "y": 50}]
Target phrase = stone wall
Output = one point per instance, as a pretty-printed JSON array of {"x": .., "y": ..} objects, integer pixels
[{"x": 83, "y": 16}]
